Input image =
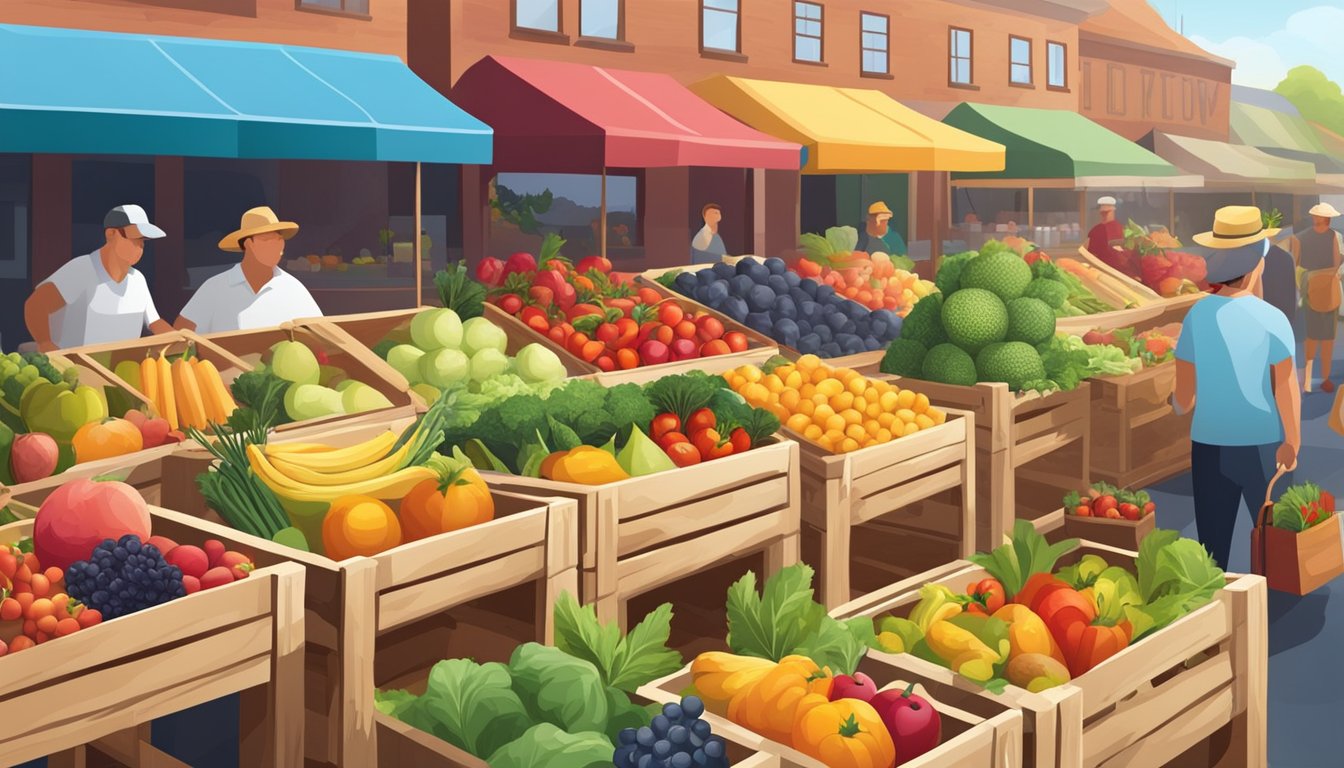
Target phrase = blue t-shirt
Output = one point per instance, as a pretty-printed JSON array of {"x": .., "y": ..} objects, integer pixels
[{"x": 1232, "y": 342}]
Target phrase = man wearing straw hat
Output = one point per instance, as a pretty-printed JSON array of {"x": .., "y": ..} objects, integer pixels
[
  {"x": 255, "y": 293},
  {"x": 1234, "y": 367},
  {"x": 877, "y": 234},
  {"x": 1318, "y": 255}
]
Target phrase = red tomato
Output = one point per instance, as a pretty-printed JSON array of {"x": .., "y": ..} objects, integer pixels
[
  {"x": 592, "y": 350},
  {"x": 665, "y": 334},
  {"x": 741, "y": 441},
  {"x": 604, "y": 361},
  {"x": 709, "y": 328},
  {"x": 628, "y": 331},
  {"x": 664, "y": 423},
  {"x": 670, "y": 314},
  {"x": 683, "y": 454},
  {"x": 557, "y": 334},
  {"x": 607, "y": 333},
  {"x": 648, "y": 296},
  {"x": 737, "y": 341},
  {"x": 627, "y": 358},
  {"x": 669, "y": 439},
  {"x": 686, "y": 330},
  {"x": 510, "y": 303},
  {"x": 701, "y": 419},
  {"x": 705, "y": 440},
  {"x": 576, "y": 342},
  {"x": 715, "y": 347},
  {"x": 626, "y": 306},
  {"x": 539, "y": 323}
]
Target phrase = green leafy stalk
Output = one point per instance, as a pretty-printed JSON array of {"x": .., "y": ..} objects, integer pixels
[
  {"x": 1026, "y": 553},
  {"x": 626, "y": 663},
  {"x": 458, "y": 292}
]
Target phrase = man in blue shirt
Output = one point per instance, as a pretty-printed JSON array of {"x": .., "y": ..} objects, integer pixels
[{"x": 1234, "y": 367}]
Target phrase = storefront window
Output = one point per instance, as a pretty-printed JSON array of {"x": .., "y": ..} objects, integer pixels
[
  {"x": 1057, "y": 57},
  {"x": 959, "y": 56},
  {"x": 807, "y": 32},
  {"x": 543, "y": 15},
  {"x": 1019, "y": 49},
  {"x": 719, "y": 25},
  {"x": 354, "y": 7},
  {"x": 601, "y": 18},
  {"x": 874, "y": 43},
  {"x": 525, "y": 207}
]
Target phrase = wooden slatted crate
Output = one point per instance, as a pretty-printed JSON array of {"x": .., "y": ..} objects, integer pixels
[
  {"x": 882, "y": 514},
  {"x": 976, "y": 732},
  {"x": 103, "y": 685},
  {"x": 1191, "y": 694},
  {"x": 1152, "y": 310},
  {"x": 1137, "y": 437},
  {"x": 646, "y": 532}
]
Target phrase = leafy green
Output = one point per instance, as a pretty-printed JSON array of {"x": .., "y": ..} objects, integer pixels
[
  {"x": 545, "y": 746},
  {"x": 785, "y": 620},
  {"x": 558, "y": 688},
  {"x": 7, "y": 517},
  {"x": 264, "y": 393},
  {"x": 1290, "y": 512},
  {"x": 626, "y": 662},
  {"x": 1026, "y": 553},
  {"x": 948, "y": 279},
  {"x": 562, "y": 437},
  {"x": 471, "y": 706},
  {"x": 531, "y": 455},
  {"x": 458, "y": 292},
  {"x": 683, "y": 394},
  {"x": 1175, "y": 576},
  {"x": 627, "y": 406},
  {"x": 842, "y": 239},
  {"x": 1114, "y": 590},
  {"x": 668, "y": 279}
]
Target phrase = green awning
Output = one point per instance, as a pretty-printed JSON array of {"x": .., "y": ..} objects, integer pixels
[
  {"x": 1284, "y": 135},
  {"x": 68, "y": 91},
  {"x": 1233, "y": 166},
  {"x": 1047, "y": 145}
]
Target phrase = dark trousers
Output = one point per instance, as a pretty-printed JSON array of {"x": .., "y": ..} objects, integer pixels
[{"x": 1223, "y": 476}]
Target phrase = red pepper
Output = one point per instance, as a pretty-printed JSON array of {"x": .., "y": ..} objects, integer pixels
[
  {"x": 987, "y": 596},
  {"x": 701, "y": 419},
  {"x": 710, "y": 444},
  {"x": 664, "y": 423},
  {"x": 740, "y": 439},
  {"x": 530, "y": 312}
]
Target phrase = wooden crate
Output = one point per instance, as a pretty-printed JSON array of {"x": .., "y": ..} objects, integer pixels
[
  {"x": 1137, "y": 437},
  {"x": 1121, "y": 534},
  {"x": 882, "y": 514},
  {"x": 1153, "y": 311},
  {"x": 646, "y": 532},
  {"x": 368, "y": 329},
  {"x": 977, "y": 732},
  {"x": 1192, "y": 694},
  {"x": 102, "y": 686},
  {"x": 368, "y": 617}
]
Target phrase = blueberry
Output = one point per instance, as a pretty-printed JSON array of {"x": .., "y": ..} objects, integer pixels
[
  {"x": 758, "y": 272},
  {"x": 823, "y": 332},
  {"x": 808, "y": 309},
  {"x": 810, "y": 287},
  {"x": 672, "y": 711},
  {"x": 836, "y": 320},
  {"x": 723, "y": 271},
  {"x": 848, "y": 327},
  {"x": 778, "y": 284},
  {"x": 804, "y": 326},
  {"x": 823, "y": 293},
  {"x": 877, "y": 327},
  {"x": 776, "y": 266},
  {"x": 792, "y": 279},
  {"x": 799, "y": 295},
  {"x": 677, "y": 734},
  {"x": 785, "y": 307},
  {"x": 741, "y": 285},
  {"x": 809, "y": 344},
  {"x": 714, "y": 748},
  {"x": 660, "y": 724},
  {"x": 701, "y": 292},
  {"x": 693, "y": 706},
  {"x": 685, "y": 282},
  {"x": 787, "y": 331},
  {"x": 761, "y": 298},
  {"x": 716, "y": 293},
  {"x": 701, "y": 729},
  {"x": 648, "y": 761},
  {"x": 645, "y": 738},
  {"x": 831, "y": 350},
  {"x": 871, "y": 344},
  {"x": 680, "y": 760},
  {"x": 662, "y": 748},
  {"x": 735, "y": 307},
  {"x": 744, "y": 267}
]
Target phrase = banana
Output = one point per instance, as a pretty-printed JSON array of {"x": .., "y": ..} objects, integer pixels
[
  {"x": 167, "y": 400},
  {"x": 149, "y": 383},
  {"x": 393, "y": 486},
  {"x": 305, "y": 476},
  {"x": 191, "y": 408},
  {"x": 209, "y": 398},
  {"x": 281, "y": 449},
  {"x": 341, "y": 459},
  {"x": 210, "y": 379}
]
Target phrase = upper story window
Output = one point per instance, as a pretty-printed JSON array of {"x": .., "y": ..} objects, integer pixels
[
  {"x": 959, "y": 57},
  {"x": 539, "y": 15},
  {"x": 1057, "y": 65},
  {"x": 874, "y": 43},
  {"x": 1019, "y": 60},
  {"x": 720, "y": 25},
  {"x": 604, "y": 19},
  {"x": 807, "y": 32},
  {"x": 352, "y": 7}
]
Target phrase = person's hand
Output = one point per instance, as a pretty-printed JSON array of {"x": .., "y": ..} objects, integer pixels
[{"x": 1287, "y": 456}]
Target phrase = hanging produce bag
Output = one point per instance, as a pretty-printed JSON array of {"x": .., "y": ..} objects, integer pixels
[
  {"x": 1296, "y": 542},
  {"x": 1337, "y": 413}
]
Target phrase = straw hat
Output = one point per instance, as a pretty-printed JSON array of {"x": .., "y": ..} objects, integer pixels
[
  {"x": 1325, "y": 210},
  {"x": 256, "y": 222},
  {"x": 879, "y": 208},
  {"x": 1235, "y": 226}
]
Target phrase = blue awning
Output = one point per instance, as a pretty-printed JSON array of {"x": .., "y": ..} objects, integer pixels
[{"x": 68, "y": 91}]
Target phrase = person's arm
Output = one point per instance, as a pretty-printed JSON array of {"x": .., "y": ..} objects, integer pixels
[
  {"x": 702, "y": 239},
  {"x": 1334, "y": 242},
  {"x": 1183, "y": 400},
  {"x": 183, "y": 324},
  {"x": 37, "y": 311},
  {"x": 1288, "y": 398},
  {"x": 153, "y": 322}
]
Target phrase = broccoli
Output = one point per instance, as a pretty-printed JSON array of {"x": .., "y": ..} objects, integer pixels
[
  {"x": 627, "y": 405},
  {"x": 925, "y": 322},
  {"x": 13, "y": 391},
  {"x": 948, "y": 278},
  {"x": 576, "y": 398},
  {"x": 520, "y": 417},
  {"x": 1052, "y": 292},
  {"x": 905, "y": 357}
]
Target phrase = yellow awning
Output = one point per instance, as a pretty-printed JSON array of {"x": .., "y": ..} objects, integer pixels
[{"x": 850, "y": 130}]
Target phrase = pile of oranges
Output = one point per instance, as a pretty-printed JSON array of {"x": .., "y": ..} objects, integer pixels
[{"x": 836, "y": 408}]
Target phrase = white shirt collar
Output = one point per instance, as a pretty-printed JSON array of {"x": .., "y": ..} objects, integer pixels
[{"x": 235, "y": 276}]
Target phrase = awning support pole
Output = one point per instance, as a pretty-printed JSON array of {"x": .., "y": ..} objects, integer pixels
[
  {"x": 1297, "y": 210},
  {"x": 1082, "y": 214},
  {"x": 602, "y": 215},
  {"x": 1031, "y": 208},
  {"x": 1255, "y": 199},
  {"x": 912, "y": 210},
  {"x": 419, "y": 244},
  {"x": 1171, "y": 211}
]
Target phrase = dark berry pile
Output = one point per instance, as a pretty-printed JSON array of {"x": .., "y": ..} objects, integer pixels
[
  {"x": 677, "y": 738},
  {"x": 122, "y": 577}
]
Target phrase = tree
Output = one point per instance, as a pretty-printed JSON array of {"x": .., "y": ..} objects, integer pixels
[{"x": 1316, "y": 96}]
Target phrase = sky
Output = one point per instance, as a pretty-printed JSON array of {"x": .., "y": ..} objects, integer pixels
[{"x": 1265, "y": 37}]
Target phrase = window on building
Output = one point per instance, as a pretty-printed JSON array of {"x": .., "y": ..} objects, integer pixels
[
  {"x": 353, "y": 7},
  {"x": 539, "y": 15},
  {"x": 807, "y": 32},
  {"x": 602, "y": 19},
  {"x": 959, "y": 55},
  {"x": 720, "y": 25},
  {"x": 1019, "y": 60},
  {"x": 1056, "y": 65},
  {"x": 874, "y": 43}
]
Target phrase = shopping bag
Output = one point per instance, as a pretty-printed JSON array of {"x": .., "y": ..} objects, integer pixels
[
  {"x": 1323, "y": 291},
  {"x": 1337, "y": 412},
  {"x": 1298, "y": 563}
]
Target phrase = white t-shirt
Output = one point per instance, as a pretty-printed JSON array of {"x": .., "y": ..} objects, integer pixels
[
  {"x": 97, "y": 308},
  {"x": 226, "y": 302}
]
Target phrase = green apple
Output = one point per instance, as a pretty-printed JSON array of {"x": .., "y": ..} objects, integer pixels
[
  {"x": 406, "y": 360},
  {"x": 479, "y": 333},
  {"x": 312, "y": 401},
  {"x": 436, "y": 329},
  {"x": 360, "y": 397},
  {"x": 293, "y": 361},
  {"x": 487, "y": 363},
  {"x": 444, "y": 368}
]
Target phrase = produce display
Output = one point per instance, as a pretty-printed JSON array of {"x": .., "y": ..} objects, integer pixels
[
  {"x": 994, "y": 321},
  {"x": 798, "y": 312},
  {"x": 310, "y": 387},
  {"x": 1046, "y": 278},
  {"x": 876, "y": 280},
  {"x": 1154, "y": 259},
  {"x": 41, "y": 412},
  {"x": 184, "y": 390},
  {"x": 597, "y": 315},
  {"x": 1152, "y": 347},
  {"x": 438, "y": 352},
  {"x": 1037, "y": 627},
  {"x": 585, "y": 433},
  {"x": 1303, "y": 506},
  {"x": 792, "y": 676},
  {"x": 1107, "y": 501},
  {"x": 567, "y": 705},
  {"x": 836, "y": 408}
]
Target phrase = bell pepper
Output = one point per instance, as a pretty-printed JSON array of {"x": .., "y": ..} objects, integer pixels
[
  {"x": 589, "y": 466},
  {"x": 986, "y": 596},
  {"x": 847, "y": 733},
  {"x": 773, "y": 706},
  {"x": 1027, "y": 633},
  {"x": 956, "y": 644},
  {"x": 1096, "y": 643},
  {"x": 1066, "y": 613},
  {"x": 722, "y": 677},
  {"x": 936, "y": 603},
  {"x": 1034, "y": 585},
  {"x": 59, "y": 411},
  {"x": 710, "y": 444},
  {"x": 897, "y": 635}
]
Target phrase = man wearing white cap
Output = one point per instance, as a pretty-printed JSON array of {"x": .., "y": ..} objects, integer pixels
[
  {"x": 99, "y": 297},
  {"x": 1106, "y": 241},
  {"x": 255, "y": 293},
  {"x": 1318, "y": 254}
]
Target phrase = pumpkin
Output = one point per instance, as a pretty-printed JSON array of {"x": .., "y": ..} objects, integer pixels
[
  {"x": 773, "y": 706},
  {"x": 846, "y": 733},
  {"x": 359, "y": 525},
  {"x": 435, "y": 506},
  {"x": 105, "y": 439}
]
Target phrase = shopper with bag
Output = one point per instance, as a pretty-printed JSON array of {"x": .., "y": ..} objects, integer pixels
[
  {"x": 1319, "y": 257},
  {"x": 1235, "y": 369}
]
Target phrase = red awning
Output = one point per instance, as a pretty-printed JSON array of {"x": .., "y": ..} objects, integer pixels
[{"x": 572, "y": 118}]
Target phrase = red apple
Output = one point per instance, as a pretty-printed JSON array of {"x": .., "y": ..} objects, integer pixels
[
  {"x": 860, "y": 687},
  {"x": 684, "y": 349},
  {"x": 33, "y": 456},
  {"x": 154, "y": 432},
  {"x": 913, "y": 723},
  {"x": 136, "y": 417}
]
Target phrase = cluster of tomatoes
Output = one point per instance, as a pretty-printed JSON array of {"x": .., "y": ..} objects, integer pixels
[
  {"x": 698, "y": 439},
  {"x": 34, "y": 607}
]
